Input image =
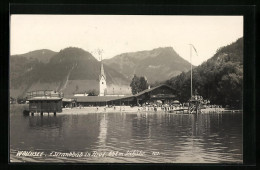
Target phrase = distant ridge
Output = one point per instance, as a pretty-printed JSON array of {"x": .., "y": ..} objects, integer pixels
[
  {"x": 73, "y": 70},
  {"x": 70, "y": 70},
  {"x": 43, "y": 55},
  {"x": 156, "y": 65}
]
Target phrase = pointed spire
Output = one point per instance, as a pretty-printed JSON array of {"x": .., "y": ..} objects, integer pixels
[{"x": 102, "y": 72}]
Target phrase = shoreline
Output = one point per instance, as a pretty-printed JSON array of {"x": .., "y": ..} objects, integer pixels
[
  {"x": 123, "y": 109},
  {"x": 128, "y": 109}
]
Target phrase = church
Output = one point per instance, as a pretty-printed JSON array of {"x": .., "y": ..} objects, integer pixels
[
  {"x": 103, "y": 98},
  {"x": 162, "y": 92},
  {"x": 101, "y": 86},
  {"x": 102, "y": 81}
]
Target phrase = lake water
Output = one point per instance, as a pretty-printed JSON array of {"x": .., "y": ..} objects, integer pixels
[{"x": 148, "y": 137}]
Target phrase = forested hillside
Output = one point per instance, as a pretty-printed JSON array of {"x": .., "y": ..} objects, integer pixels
[{"x": 219, "y": 79}]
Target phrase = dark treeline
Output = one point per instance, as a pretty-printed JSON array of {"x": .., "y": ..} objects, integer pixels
[
  {"x": 138, "y": 84},
  {"x": 93, "y": 92},
  {"x": 220, "y": 79}
]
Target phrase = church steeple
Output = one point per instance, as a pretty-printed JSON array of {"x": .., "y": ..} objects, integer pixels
[
  {"x": 102, "y": 72},
  {"x": 102, "y": 80}
]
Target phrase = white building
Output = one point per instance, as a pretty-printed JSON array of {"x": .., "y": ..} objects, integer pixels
[{"x": 102, "y": 81}]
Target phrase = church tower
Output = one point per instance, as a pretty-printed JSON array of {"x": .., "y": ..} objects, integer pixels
[{"x": 102, "y": 81}]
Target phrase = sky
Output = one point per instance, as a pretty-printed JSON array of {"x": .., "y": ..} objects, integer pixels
[{"x": 116, "y": 34}]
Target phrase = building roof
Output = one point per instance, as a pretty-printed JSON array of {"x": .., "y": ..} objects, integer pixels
[
  {"x": 44, "y": 93},
  {"x": 68, "y": 100},
  {"x": 97, "y": 98},
  {"x": 111, "y": 98},
  {"x": 42, "y": 98},
  {"x": 151, "y": 89}
]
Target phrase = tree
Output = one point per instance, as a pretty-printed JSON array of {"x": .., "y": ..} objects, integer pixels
[
  {"x": 21, "y": 100},
  {"x": 138, "y": 84},
  {"x": 135, "y": 85},
  {"x": 143, "y": 84},
  {"x": 220, "y": 79},
  {"x": 92, "y": 92}
]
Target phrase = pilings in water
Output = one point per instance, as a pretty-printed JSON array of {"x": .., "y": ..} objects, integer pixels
[{"x": 194, "y": 108}]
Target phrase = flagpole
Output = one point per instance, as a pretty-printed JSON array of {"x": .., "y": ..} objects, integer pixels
[{"x": 191, "y": 70}]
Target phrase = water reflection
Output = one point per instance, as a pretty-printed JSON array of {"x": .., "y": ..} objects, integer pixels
[
  {"x": 44, "y": 121},
  {"x": 178, "y": 137},
  {"x": 102, "y": 132}
]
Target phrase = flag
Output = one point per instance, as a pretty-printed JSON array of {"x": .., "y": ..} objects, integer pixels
[{"x": 194, "y": 49}]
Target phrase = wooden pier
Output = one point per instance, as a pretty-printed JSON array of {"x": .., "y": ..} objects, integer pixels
[
  {"x": 180, "y": 111},
  {"x": 193, "y": 108}
]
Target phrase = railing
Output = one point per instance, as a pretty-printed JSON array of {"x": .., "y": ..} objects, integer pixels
[
  {"x": 44, "y": 93},
  {"x": 192, "y": 109}
]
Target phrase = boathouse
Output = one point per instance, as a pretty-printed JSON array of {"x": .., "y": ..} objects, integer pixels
[
  {"x": 44, "y": 101},
  {"x": 163, "y": 93}
]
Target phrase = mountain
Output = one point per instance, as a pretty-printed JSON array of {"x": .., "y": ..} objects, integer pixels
[
  {"x": 219, "y": 79},
  {"x": 156, "y": 65},
  {"x": 71, "y": 70},
  {"x": 43, "y": 55}
]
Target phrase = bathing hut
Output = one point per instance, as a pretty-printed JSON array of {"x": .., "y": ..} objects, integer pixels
[
  {"x": 69, "y": 103},
  {"x": 44, "y": 101}
]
